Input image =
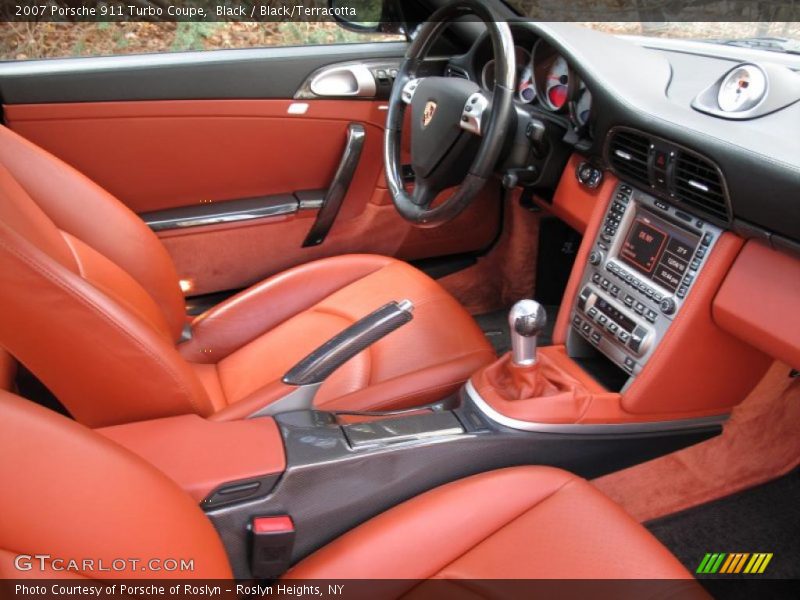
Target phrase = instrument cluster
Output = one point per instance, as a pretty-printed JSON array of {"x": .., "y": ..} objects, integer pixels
[{"x": 545, "y": 79}]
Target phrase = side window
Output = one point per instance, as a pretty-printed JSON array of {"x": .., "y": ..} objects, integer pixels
[{"x": 43, "y": 39}]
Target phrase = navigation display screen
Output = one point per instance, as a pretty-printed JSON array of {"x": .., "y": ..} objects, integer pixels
[{"x": 658, "y": 249}]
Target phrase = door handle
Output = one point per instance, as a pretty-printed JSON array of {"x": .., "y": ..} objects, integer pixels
[
  {"x": 350, "y": 80},
  {"x": 339, "y": 186},
  {"x": 361, "y": 79}
]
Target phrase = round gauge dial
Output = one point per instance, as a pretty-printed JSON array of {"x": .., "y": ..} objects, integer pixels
[
  {"x": 556, "y": 82},
  {"x": 742, "y": 89},
  {"x": 524, "y": 91},
  {"x": 581, "y": 104},
  {"x": 550, "y": 76}
]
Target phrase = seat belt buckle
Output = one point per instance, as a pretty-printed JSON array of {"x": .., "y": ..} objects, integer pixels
[{"x": 272, "y": 541}]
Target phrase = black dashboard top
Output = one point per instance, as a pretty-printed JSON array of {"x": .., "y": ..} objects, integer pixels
[{"x": 648, "y": 87}]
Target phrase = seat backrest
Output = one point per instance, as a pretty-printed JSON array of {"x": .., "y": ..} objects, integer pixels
[
  {"x": 89, "y": 298},
  {"x": 72, "y": 494}
]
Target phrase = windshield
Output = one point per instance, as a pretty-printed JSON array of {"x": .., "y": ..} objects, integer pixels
[{"x": 781, "y": 36}]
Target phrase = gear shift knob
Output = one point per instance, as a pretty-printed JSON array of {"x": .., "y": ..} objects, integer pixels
[{"x": 526, "y": 320}]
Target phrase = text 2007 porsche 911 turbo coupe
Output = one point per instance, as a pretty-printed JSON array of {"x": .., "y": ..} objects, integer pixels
[{"x": 472, "y": 298}]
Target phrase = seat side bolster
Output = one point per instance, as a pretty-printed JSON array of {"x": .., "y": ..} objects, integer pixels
[
  {"x": 239, "y": 320},
  {"x": 80, "y": 207},
  {"x": 104, "y": 363}
]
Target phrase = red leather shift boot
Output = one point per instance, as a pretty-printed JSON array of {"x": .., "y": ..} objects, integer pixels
[{"x": 543, "y": 390}]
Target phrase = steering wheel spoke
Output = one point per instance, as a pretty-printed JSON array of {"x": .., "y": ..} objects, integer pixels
[
  {"x": 475, "y": 111},
  {"x": 424, "y": 194},
  {"x": 410, "y": 88}
]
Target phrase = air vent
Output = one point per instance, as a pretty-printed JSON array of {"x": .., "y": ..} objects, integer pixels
[
  {"x": 628, "y": 153},
  {"x": 452, "y": 71},
  {"x": 698, "y": 184}
]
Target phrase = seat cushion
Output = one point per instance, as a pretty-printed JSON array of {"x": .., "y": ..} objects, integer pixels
[
  {"x": 256, "y": 336},
  {"x": 516, "y": 523}
]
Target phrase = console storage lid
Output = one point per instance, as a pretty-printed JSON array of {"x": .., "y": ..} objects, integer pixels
[{"x": 201, "y": 455}]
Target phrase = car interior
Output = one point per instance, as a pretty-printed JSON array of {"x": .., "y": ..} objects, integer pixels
[{"x": 507, "y": 300}]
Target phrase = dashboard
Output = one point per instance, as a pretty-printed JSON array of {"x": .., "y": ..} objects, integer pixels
[{"x": 709, "y": 129}]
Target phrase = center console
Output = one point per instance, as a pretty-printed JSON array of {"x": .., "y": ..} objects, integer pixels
[
  {"x": 643, "y": 263},
  {"x": 290, "y": 478}
]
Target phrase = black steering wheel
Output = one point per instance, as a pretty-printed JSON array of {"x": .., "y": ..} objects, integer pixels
[{"x": 452, "y": 121}]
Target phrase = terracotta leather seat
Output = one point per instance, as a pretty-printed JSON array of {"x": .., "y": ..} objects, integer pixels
[
  {"x": 516, "y": 523},
  {"x": 90, "y": 303},
  {"x": 522, "y": 522}
]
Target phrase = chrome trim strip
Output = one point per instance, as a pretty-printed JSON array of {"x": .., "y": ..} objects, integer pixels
[
  {"x": 221, "y": 212},
  {"x": 589, "y": 429}
]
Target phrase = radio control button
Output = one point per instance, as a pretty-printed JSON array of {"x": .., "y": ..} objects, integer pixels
[
  {"x": 596, "y": 278},
  {"x": 688, "y": 279},
  {"x": 630, "y": 364},
  {"x": 628, "y": 300},
  {"x": 695, "y": 264},
  {"x": 605, "y": 283},
  {"x": 602, "y": 319},
  {"x": 701, "y": 252},
  {"x": 682, "y": 291},
  {"x": 707, "y": 238},
  {"x": 614, "y": 290},
  {"x": 651, "y": 315},
  {"x": 623, "y": 336},
  {"x": 586, "y": 328},
  {"x": 576, "y": 320},
  {"x": 612, "y": 327},
  {"x": 596, "y": 337},
  {"x": 639, "y": 308},
  {"x": 668, "y": 306},
  {"x": 658, "y": 297},
  {"x": 595, "y": 257},
  {"x": 592, "y": 312}
]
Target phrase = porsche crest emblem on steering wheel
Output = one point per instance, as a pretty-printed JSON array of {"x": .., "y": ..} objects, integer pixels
[{"x": 427, "y": 114}]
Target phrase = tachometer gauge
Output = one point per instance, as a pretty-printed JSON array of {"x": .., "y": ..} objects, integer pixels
[
  {"x": 742, "y": 89},
  {"x": 556, "y": 82},
  {"x": 550, "y": 76}
]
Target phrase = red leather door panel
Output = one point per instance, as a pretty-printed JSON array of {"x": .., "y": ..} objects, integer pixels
[{"x": 163, "y": 154}]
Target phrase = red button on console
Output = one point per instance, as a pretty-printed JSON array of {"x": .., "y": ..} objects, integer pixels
[{"x": 279, "y": 524}]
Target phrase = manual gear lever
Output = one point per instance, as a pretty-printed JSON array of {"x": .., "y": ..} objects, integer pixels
[{"x": 527, "y": 319}]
